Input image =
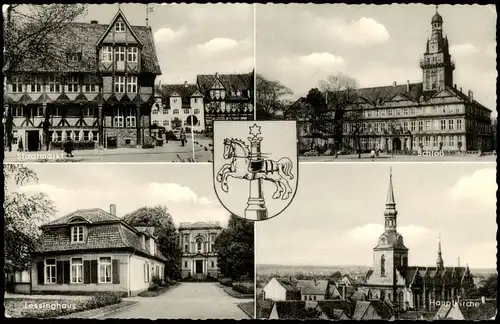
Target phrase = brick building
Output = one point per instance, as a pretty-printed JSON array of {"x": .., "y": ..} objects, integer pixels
[{"x": 101, "y": 95}]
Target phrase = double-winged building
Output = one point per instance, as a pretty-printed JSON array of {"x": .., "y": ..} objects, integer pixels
[{"x": 101, "y": 94}]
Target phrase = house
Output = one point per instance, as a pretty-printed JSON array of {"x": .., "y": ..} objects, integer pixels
[
  {"x": 372, "y": 310},
  {"x": 178, "y": 106},
  {"x": 199, "y": 258},
  {"x": 100, "y": 95},
  {"x": 227, "y": 97},
  {"x": 18, "y": 282},
  {"x": 292, "y": 289},
  {"x": 91, "y": 250}
]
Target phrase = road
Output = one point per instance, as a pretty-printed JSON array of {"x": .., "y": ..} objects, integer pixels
[{"x": 187, "y": 301}]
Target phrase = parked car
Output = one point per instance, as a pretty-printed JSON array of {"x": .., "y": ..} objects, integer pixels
[{"x": 311, "y": 153}]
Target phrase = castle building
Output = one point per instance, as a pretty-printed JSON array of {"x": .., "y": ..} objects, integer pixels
[
  {"x": 178, "y": 106},
  {"x": 410, "y": 287},
  {"x": 227, "y": 97},
  {"x": 101, "y": 95},
  {"x": 430, "y": 115},
  {"x": 199, "y": 258}
]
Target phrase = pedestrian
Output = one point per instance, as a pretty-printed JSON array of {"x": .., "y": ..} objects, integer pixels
[
  {"x": 372, "y": 154},
  {"x": 69, "y": 147},
  {"x": 183, "y": 137}
]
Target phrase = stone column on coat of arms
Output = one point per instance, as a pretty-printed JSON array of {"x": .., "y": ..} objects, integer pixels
[{"x": 256, "y": 208}]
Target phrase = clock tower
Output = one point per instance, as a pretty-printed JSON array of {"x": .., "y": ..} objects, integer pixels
[{"x": 437, "y": 65}]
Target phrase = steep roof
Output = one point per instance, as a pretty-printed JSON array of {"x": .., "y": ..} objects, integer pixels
[
  {"x": 295, "y": 309},
  {"x": 232, "y": 82},
  {"x": 334, "y": 309},
  {"x": 312, "y": 287},
  {"x": 183, "y": 90},
  {"x": 83, "y": 37},
  {"x": 382, "y": 308},
  {"x": 92, "y": 215},
  {"x": 360, "y": 310}
]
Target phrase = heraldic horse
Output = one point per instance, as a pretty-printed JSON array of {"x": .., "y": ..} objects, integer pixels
[{"x": 240, "y": 167}]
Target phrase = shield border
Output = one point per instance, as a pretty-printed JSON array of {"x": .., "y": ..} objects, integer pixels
[{"x": 214, "y": 181}]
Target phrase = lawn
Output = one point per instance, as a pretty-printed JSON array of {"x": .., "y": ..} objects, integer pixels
[
  {"x": 248, "y": 308},
  {"x": 42, "y": 308}
]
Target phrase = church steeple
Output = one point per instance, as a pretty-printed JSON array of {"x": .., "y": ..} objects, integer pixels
[
  {"x": 390, "y": 212},
  {"x": 439, "y": 261},
  {"x": 437, "y": 65}
]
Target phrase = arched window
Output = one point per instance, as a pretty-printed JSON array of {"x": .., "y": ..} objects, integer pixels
[
  {"x": 382, "y": 265},
  {"x": 382, "y": 295},
  {"x": 199, "y": 244},
  {"x": 186, "y": 248}
]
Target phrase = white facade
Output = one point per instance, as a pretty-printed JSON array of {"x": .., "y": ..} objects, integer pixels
[
  {"x": 274, "y": 290},
  {"x": 175, "y": 116}
]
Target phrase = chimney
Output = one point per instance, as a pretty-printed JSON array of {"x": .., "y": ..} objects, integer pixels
[
  {"x": 460, "y": 89},
  {"x": 407, "y": 85},
  {"x": 94, "y": 22},
  {"x": 216, "y": 74},
  {"x": 394, "y": 83},
  {"x": 112, "y": 209},
  {"x": 471, "y": 95},
  {"x": 455, "y": 86},
  {"x": 185, "y": 84}
]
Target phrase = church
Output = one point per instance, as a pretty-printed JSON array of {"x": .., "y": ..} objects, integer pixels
[{"x": 410, "y": 287}]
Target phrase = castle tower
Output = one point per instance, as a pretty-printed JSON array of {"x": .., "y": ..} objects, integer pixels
[
  {"x": 439, "y": 261},
  {"x": 437, "y": 65}
]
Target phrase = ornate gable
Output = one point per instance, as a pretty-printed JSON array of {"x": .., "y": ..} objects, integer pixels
[
  {"x": 399, "y": 97},
  {"x": 196, "y": 93},
  {"x": 217, "y": 85},
  {"x": 119, "y": 31},
  {"x": 443, "y": 93}
]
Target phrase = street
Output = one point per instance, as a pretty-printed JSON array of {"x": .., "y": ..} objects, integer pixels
[{"x": 188, "y": 300}]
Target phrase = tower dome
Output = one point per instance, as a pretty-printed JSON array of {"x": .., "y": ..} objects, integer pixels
[{"x": 437, "y": 17}]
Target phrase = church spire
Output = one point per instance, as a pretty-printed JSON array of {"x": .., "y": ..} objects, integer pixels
[
  {"x": 390, "y": 212},
  {"x": 439, "y": 261}
]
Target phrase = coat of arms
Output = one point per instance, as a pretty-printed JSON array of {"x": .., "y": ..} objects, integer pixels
[{"x": 255, "y": 166}]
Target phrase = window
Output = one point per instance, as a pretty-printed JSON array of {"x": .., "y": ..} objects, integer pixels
[
  {"x": 107, "y": 54},
  {"x": 376, "y": 127},
  {"x": 427, "y": 141},
  {"x": 166, "y": 123},
  {"x": 443, "y": 124},
  {"x": 450, "y": 124},
  {"x": 35, "y": 84},
  {"x": 420, "y": 125},
  {"x": 213, "y": 264},
  {"x": 195, "y": 100},
  {"x": 76, "y": 231},
  {"x": 382, "y": 112},
  {"x": 314, "y": 297},
  {"x": 132, "y": 84},
  {"x": 407, "y": 111},
  {"x": 382, "y": 265},
  {"x": 389, "y": 112},
  {"x": 176, "y": 111},
  {"x": 186, "y": 111},
  {"x": 435, "y": 141},
  {"x": 17, "y": 84},
  {"x": 428, "y": 125},
  {"x": 165, "y": 111},
  {"x": 213, "y": 247},
  {"x": 85, "y": 136},
  {"x": 412, "y": 125},
  {"x": 76, "y": 270},
  {"x": 130, "y": 121},
  {"x": 185, "y": 264},
  {"x": 73, "y": 82},
  {"x": 154, "y": 111},
  {"x": 54, "y": 84},
  {"x": 398, "y": 112},
  {"x": 453, "y": 140},
  {"x": 105, "y": 266},
  {"x": 199, "y": 244},
  {"x": 405, "y": 126},
  {"x": 119, "y": 84},
  {"x": 120, "y": 26},
  {"x": 118, "y": 121},
  {"x": 132, "y": 54},
  {"x": 186, "y": 248},
  {"x": 50, "y": 271},
  {"x": 413, "y": 111},
  {"x": 459, "y": 124},
  {"x": 120, "y": 54}
]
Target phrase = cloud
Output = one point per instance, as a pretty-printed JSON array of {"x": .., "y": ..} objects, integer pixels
[
  {"x": 477, "y": 189},
  {"x": 365, "y": 31},
  {"x": 321, "y": 59},
  {"x": 217, "y": 45},
  {"x": 167, "y": 35},
  {"x": 463, "y": 49},
  {"x": 173, "y": 192}
]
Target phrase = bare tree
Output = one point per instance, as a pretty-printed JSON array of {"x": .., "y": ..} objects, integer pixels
[
  {"x": 34, "y": 36},
  {"x": 270, "y": 99},
  {"x": 341, "y": 96}
]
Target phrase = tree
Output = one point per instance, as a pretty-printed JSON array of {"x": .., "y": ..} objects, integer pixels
[
  {"x": 336, "y": 276},
  {"x": 341, "y": 97},
  {"x": 318, "y": 119},
  {"x": 167, "y": 235},
  {"x": 269, "y": 100},
  {"x": 235, "y": 249},
  {"x": 23, "y": 214},
  {"x": 489, "y": 290}
]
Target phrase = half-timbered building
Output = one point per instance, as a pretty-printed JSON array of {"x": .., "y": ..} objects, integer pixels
[{"x": 102, "y": 95}]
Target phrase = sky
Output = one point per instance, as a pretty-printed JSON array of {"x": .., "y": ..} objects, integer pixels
[
  {"x": 186, "y": 189},
  {"x": 337, "y": 215},
  {"x": 376, "y": 45},
  {"x": 192, "y": 39}
]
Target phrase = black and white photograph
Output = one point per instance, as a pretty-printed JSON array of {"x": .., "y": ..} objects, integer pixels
[
  {"x": 151, "y": 242},
  {"x": 422, "y": 245},
  {"x": 399, "y": 82},
  {"x": 124, "y": 82}
]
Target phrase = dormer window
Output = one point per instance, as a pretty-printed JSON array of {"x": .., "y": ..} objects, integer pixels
[
  {"x": 120, "y": 26},
  {"x": 75, "y": 57},
  {"x": 77, "y": 234}
]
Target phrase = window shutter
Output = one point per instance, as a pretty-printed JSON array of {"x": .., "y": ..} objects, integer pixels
[
  {"x": 86, "y": 271},
  {"x": 144, "y": 268},
  {"x": 93, "y": 271},
  {"x": 66, "y": 277},
  {"x": 59, "y": 272},
  {"x": 116, "y": 271},
  {"x": 40, "y": 267}
]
